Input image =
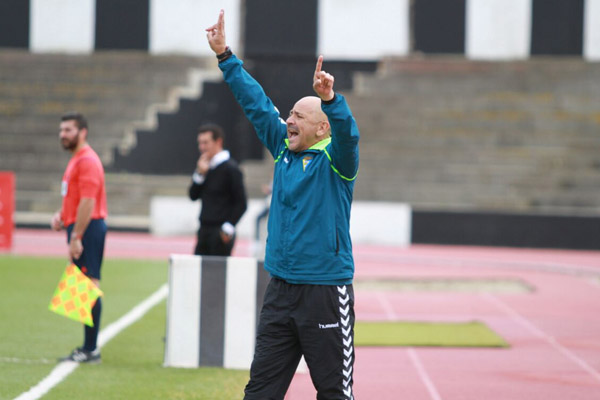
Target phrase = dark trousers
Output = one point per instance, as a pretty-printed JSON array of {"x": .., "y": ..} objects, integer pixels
[
  {"x": 90, "y": 263},
  {"x": 94, "y": 237},
  {"x": 210, "y": 243},
  {"x": 316, "y": 321}
]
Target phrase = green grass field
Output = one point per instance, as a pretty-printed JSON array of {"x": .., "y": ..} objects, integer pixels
[
  {"x": 31, "y": 338},
  {"x": 437, "y": 334}
]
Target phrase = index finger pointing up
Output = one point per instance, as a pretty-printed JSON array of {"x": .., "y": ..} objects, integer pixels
[
  {"x": 221, "y": 22},
  {"x": 319, "y": 64}
]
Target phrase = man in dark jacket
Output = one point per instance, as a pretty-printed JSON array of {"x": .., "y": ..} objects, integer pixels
[
  {"x": 218, "y": 182},
  {"x": 308, "y": 307}
]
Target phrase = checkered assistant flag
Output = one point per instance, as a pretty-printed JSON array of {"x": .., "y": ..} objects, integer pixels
[{"x": 75, "y": 296}]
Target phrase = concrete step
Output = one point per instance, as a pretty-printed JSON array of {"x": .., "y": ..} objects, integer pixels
[
  {"x": 43, "y": 141},
  {"x": 94, "y": 66},
  {"x": 32, "y": 162},
  {"x": 475, "y": 196},
  {"x": 438, "y": 74},
  {"x": 93, "y": 110},
  {"x": 121, "y": 90},
  {"x": 384, "y": 115}
]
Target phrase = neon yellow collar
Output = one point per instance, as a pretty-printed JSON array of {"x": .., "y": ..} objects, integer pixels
[{"x": 317, "y": 146}]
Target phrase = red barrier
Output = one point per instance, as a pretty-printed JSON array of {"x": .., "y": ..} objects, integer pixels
[{"x": 7, "y": 208}]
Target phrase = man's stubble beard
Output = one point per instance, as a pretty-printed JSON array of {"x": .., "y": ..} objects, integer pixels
[{"x": 70, "y": 144}]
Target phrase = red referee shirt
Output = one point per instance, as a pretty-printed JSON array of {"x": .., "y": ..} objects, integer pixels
[{"x": 84, "y": 177}]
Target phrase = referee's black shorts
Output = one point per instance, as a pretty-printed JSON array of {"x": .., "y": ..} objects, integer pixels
[
  {"x": 93, "y": 240},
  {"x": 316, "y": 321}
]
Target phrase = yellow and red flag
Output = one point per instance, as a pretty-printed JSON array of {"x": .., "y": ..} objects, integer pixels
[{"x": 75, "y": 296}]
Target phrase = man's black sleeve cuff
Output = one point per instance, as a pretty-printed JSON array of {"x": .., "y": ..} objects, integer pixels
[{"x": 329, "y": 101}]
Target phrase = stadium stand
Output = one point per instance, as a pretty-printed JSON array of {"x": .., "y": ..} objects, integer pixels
[
  {"x": 113, "y": 89},
  {"x": 444, "y": 133},
  {"x": 498, "y": 152},
  {"x": 438, "y": 133}
]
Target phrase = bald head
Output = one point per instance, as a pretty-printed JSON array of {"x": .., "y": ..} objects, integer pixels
[{"x": 312, "y": 104}]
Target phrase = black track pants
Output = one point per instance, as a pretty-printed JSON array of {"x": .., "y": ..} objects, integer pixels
[{"x": 316, "y": 321}]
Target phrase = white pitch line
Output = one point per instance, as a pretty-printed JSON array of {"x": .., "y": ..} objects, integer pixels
[
  {"x": 15, "y": 360},
  {"x": 64, "y": 369},
  {"x": 132, "y": 316},
  {"x": 423, "y": 374},
  {"x": 542, "y": 335}
]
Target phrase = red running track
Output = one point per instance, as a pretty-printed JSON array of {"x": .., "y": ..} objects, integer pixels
[{"x": 553, "y": 331}]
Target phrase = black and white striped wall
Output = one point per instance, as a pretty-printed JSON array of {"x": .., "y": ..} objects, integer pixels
[
  {"x": 212, "y": 311},
  {"x": 341, "y": 29},
  {"x": 82, "y": 26}
]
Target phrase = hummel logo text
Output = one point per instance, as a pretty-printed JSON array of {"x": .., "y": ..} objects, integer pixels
[{"x": 329, "y": 326}]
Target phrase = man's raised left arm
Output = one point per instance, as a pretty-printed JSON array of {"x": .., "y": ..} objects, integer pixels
[{"x": 344, "y": 131}]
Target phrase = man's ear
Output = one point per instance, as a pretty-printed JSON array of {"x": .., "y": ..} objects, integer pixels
[
  {"x": 323, "y": 129},
  {"x": 83, "y": 132}
]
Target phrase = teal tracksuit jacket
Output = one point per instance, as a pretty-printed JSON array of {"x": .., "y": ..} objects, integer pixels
[{"x": 309, "y": 220}]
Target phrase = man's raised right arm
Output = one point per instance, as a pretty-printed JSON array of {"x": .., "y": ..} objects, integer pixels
[{"x": 259, "y": 109}]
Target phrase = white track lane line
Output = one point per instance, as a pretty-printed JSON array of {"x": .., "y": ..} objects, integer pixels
[
  {"x": 391, "y": 315},
  {"x": 515, "y": 316},
  {"x": 412, "y": 354},
  {"x": 64, "y": 369},
  {"x": 387, "y": 307}
]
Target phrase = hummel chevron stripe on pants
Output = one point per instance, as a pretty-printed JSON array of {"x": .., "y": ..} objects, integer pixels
[{"x": 316, "y": 321}]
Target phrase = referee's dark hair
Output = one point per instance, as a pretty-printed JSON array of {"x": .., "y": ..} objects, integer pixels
[
  {"x": 216, "y": 130},
  {"x": 77, "y": 117}
]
